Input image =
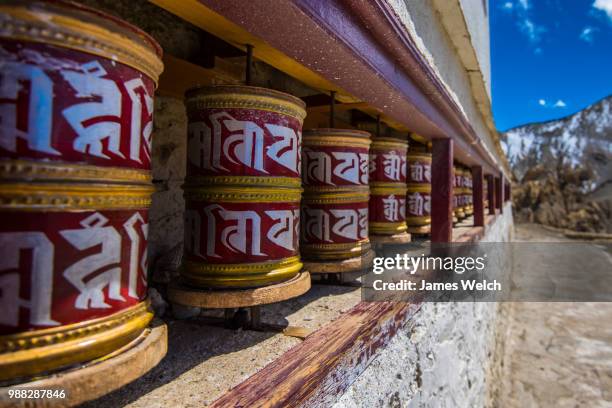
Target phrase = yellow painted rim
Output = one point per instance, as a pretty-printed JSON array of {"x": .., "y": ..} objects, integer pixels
[
  {"x": 206, "y": 275},
  {"x": 419, "y": 188},
  {"x": 197, "y": 102},
  {"x": 388, "y": 190},
  {"x": 386, "y": 143},
  {"x": 387, "y": 228},
  {"x": 34, "y": 352},
  {"x": 235, "y": 194},
  {"x": 335, "y": 251},
  {"x": 336, "y": 140},
  {"x": 289, "y": 182},
  {"x": 74, "y": 196},
  {"x": 331, "y": 197},
  {"x": 419, "y": 156},
  {"x": 38, "y": 170},
  {"x": 418, "y": 220},
  {"x": 84, "y": 30}
]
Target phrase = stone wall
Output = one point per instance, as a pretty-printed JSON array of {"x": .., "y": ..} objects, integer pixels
[
  {"x": 442, "y": 358},
  {"x": 168, "y": 206}
]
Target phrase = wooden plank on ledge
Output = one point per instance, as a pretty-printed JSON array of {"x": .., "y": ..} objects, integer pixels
[{"x": 316, "y": 371}]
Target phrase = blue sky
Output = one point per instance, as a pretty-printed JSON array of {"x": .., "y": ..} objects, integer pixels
[{"x": 549, "y": 58}]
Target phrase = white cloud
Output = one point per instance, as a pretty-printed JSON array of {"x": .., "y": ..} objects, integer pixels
[
  {"x": 533, "y": 31},
  {"x": 524, "y": 4},
  {"x": 521, "y": 11},
  {"x": 587, "y": 34},
  {"x": 605, "y": 6},
  {"x": 559, "y": 104}
]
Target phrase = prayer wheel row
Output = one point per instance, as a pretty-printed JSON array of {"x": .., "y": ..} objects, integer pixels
[
  {"x": 75, "y": 185},
  {"x": 245, "y": 214},
  {"x": 468, "y": 193},
  {"x": 462, "y": 193}
]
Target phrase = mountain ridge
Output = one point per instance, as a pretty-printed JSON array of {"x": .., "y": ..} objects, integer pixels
[{"x": 563, "y": 169}]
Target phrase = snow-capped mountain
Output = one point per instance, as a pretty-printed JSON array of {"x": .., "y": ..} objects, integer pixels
[{"x": 584, "y": 138}]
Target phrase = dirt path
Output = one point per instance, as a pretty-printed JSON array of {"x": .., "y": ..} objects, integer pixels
[{"x": 556, "y": 354}]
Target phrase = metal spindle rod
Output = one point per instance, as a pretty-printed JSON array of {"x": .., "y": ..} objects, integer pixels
[
  {"x": 332, "y": 103},
  {"x": 249, "y": 63}
]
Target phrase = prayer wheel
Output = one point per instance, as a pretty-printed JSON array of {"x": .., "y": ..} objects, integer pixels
[
  {"x": 456, "y": 193},
  {"x": 460, "y": 193},
  {"x": 418, "y": 197},
  {"x": 469, "y": 209},
  {"x": 387, "y": 209},
  {"x": 75, "y": 185},
  {"x": 243, "y": 187},
  {"x": 336, "y": 194}
]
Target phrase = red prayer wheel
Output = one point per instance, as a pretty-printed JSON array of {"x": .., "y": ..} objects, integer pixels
[
  {"x": 469, "y": 207},
  {"x": 75, "y": 184},
  {"x": 336, "y": 194},
  {"x": 418, "y": 196},
  {"x": 387, "y": 209},
  {"x": 456, "y": 193},
  {"x": 460, "y": 193},
  {"x": 243, "y": 187}
]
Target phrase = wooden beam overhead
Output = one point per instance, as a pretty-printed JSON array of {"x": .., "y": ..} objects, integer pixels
[{"x": 201, "y": 16}]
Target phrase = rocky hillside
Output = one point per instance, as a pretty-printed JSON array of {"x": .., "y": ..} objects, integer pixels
[{"x": 563, "y": 169}]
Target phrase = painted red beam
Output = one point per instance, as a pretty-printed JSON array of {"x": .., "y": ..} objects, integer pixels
[
  {"x": 442, "y": 190},
  {"x": 362, "y": 47},
  {"x": 477, "y": 196},
  {"x": 491, "y": 193}
]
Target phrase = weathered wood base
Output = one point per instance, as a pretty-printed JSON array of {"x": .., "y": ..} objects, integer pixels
[
  {"x": 402, "y": 238},
  {"x": 235, "y": 298},
  {"x": 98, "y": 377},
  {"x": 346, "y": 265},
  {"x": 421, "y": 229}
]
